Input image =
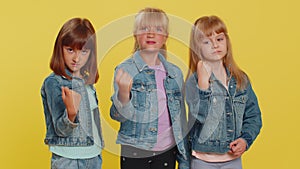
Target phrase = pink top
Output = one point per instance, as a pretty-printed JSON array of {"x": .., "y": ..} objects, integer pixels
[
  {"x": 165, "y": 137},
  {"x": 213, "y": 157}
]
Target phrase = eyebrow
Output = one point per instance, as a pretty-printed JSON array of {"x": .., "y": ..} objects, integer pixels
[
  {"x": 215, "y": 36},
  {"x": 219, "y": 34}
]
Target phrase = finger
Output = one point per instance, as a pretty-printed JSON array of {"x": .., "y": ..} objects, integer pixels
[
  {"x": 127, "y": 77},
  {"x": 234, "y": 149},
  {"x": 206, "y": 67},
  {"x": 233, "y": 143},
  {"x": 199, "y": 64},
  {"x": 119, "y": 75},
  {"x": 63, "y": 94},
  {"x": 130, "y": 83}
]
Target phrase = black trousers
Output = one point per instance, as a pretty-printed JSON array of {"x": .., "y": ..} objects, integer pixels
[{"x": 134, "y": 158}]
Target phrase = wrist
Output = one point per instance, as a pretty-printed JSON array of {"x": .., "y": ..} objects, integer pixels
[
  {"x": 203, "y": 85},
  {"x": 124, "y": 97}
]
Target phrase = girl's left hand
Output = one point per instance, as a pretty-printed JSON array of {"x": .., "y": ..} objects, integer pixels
[{"x": 238, "y": 147}]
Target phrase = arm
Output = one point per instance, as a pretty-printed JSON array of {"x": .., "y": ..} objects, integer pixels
[
  {"x": 197, "y": 90},
  {"x": 63, "y": 126},
  {"x": 197, "y": 99},
  {"x": 183, "y": 163},
  {"x": 121, "y": 108},
  {"x": 71, "y": 100},
  {"x": 252, "y": 122}
]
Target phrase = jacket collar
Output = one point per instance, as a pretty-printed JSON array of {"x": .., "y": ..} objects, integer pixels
[{"x": 141, "y": 65}]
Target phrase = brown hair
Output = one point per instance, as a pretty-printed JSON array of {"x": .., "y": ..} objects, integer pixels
[
  {"x": 151, "y": 17},
  {"x": 77, "y": 33},
  {"x": 206, "y": 26}
]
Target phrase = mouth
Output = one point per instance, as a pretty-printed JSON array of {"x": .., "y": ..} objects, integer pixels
[
  {"x": 216, "y": 52},
  {"x": 75, "y": 64},
  {"x": 151, "y": 42}
]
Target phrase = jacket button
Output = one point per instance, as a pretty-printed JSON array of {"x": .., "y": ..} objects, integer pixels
[{"x": 152, "y": 129}]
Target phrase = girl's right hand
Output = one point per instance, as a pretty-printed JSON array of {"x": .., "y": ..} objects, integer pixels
[
  {"x": 124, "y": 82},
  {"x": 72, "y": 102},
  {"x": 203, "y": 71}
]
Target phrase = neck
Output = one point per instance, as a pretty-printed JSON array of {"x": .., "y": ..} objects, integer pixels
[
  {"x": 219, "y": 71},
  {"x": 216, "y": 66},
  {"x": 150, "y": 58},
  {"x": 76, "y": 74}
]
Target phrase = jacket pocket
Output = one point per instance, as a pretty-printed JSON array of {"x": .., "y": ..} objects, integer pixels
[{"x": 139, "y": 96}]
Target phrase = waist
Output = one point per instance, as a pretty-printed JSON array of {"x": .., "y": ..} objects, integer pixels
[
  {"x": 213, "y": 157},
  {"x": 133, "y": 152}
]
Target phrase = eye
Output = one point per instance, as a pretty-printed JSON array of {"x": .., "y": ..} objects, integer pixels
[
  {"x": 144, "y": 28},
  {"x": 159, "y": 29},
  {"x": 69, "y": 49},
  {"x": 206, "y": 42},
  {"x": 220, "y": 39},
  {"x": 85, "y": 51}
]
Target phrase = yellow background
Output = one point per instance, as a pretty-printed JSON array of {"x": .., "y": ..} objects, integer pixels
[{"x": 265, "y": 37}]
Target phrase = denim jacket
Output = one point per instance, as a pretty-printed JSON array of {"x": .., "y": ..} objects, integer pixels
[
  {"x": 60, "y": 130},
  {"x": 219, "y": 116},
  {"x": 139, "y": 117}
]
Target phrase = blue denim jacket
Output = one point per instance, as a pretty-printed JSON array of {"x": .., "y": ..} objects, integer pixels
[
  {"x": 219, "y": 116},
  {"x": 60, "y": 130},
  {"x": 139, "y": 117}
]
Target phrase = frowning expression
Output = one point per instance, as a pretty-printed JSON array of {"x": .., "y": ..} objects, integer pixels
[
  {"x": 214, "y": 47},
  {"x": 75, "y": 59}
]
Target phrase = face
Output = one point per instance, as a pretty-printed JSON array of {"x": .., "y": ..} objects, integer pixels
[
  {"x": 151, "y": 38},
  {"x": 75, "y": 59},
  {"x": 214, "y": 47}
]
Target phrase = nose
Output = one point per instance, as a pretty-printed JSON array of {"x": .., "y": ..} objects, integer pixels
[
  {"x": 150, "y": 34},
  {"x": 214, "y": 44},
  {"x": 76, "y": 56}
]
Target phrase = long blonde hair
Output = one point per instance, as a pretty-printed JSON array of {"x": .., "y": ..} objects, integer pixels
[
  {"x": 151, "y": 17},
  {"x": 206, "y": 26}
]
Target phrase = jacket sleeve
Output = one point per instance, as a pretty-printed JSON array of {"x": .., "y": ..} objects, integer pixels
[
  {"x": 183, "y": 160},
  {"x": 58, "y": 112},
  {"x": 197, "y": 99},
  {"x": 252, "y": 121},
  {"x": 118, "y": 111}
]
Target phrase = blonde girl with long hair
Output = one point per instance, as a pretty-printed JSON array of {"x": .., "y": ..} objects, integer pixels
[{"x": 224, "y": 114}]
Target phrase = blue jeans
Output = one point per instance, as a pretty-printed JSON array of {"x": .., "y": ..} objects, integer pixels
[
  {"x": 198, "y": 164},
  {"x": 59, "y": 162}
]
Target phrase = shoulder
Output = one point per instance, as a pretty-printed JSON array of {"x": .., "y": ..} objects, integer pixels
[
  {"x": 126, "y": 64},
  {"x": 173, "y": 66},
  {"x": 52, "y": 80},
  {"x": 129, "y": 66},
  {"x": 192, "y": 78},
  {"x": 170, "y": 67}
]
